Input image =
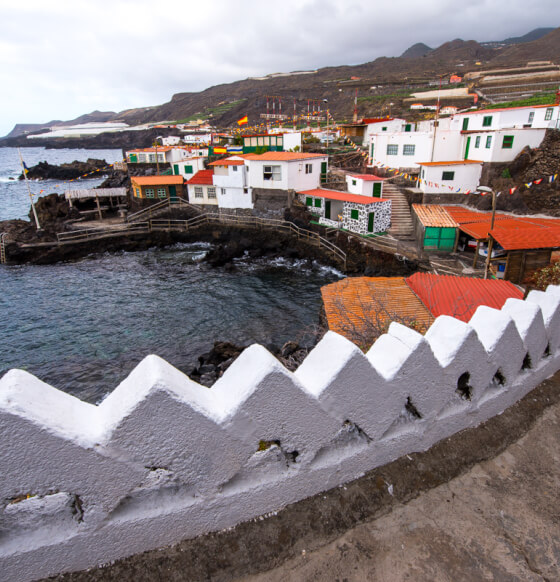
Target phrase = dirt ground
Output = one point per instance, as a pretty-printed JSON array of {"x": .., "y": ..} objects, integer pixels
[{"x": 481, "y": 505}]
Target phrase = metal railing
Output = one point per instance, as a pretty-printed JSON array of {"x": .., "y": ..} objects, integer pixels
[
  {"x": 3, "y": 248},
  {"x": 84, "y": 234}
]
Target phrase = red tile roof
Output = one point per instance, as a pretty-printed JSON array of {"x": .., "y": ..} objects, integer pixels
[
  {"x": 368, "y": 177},
  {"x": 202, "y": 177},
  {"x": 343, "y": 196},
  {"x": 376, "y": 119},
  {"x": 460, "y": 296},
  {"x": 282, "y": 156},
  {"x": 227, "y": 162},
  {"x": 156, "y": 180},
  {"x": 433, "y": 215}
]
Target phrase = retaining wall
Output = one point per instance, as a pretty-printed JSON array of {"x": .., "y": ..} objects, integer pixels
[{"x": 163, "y": 458}]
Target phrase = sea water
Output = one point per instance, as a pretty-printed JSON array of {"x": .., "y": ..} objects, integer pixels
[{"x": 82, "y": 326}]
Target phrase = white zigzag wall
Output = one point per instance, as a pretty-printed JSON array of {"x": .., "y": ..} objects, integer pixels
[{"x": 163, "y": 458}]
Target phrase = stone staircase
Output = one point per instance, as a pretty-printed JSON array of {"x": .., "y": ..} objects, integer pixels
[{"x": 401, "y": 221}]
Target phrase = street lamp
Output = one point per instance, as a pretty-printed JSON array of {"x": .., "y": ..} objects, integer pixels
[{"x": 486, "y": 190}]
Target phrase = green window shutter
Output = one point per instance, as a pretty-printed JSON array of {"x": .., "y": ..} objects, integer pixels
[
  {"x": 488, "y": 141},
  {"x": 188, "y": 169},
  {"x": 407, "y": 127},
  {"x": 133, "y": 158},
  {"x": 477, "y": 142},
  {"x": 317, "y": 203},
  {"x": 354, "y": 214},
  {"x": 354, "y": 182},
  {"x": 448, "y": 175},
  {"x": 377, "y": 189},
  {"x": 465, "y": 124},
  {"x": 309, "y": 201},
  {"x": 507, "y": 144},
  {"x": 487, "y": 121},
  {"x": 176, "y": 169}
]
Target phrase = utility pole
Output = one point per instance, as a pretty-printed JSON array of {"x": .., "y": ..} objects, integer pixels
[
  {"x": 24, "y": 170},
  {"x": 487, "y": 190}
]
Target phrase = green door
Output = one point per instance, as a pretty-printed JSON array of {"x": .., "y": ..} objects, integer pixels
[
  {"x": 176, "y": 169},
  {"x": 328, "y": 209},
  {"x": 173, "y": 194},
  {"x": 371, "y": 222},
  {"x": 323, "y": 171},
  {"x": 439, "y": 238},
  {"x": 133, "y": 158},
  {"x": 377, "y": 190},
  {"x": 447, "y": 239},
  {"x": 467, "y": 148}
]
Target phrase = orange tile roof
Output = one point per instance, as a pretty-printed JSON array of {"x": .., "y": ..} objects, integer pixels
[
  {"x": 202, "y": 177},
  {"x": 506, "y": 109},
  {"x": 282, "y": 156},
  {"x": 433, "y": 215},
  {"x": 227, "y": 162},
  {"x": 343, "y": 196},
  {"x": 460, "y": 296},
  {"x": 357, "y": 307},
  {"x": 368, "y": 177},
  {"x": 450, "y": 163},
  {"x": 159, "y": 149},
  {"x": 462, "y": 214},
  {"x": 156, "y": 180}
]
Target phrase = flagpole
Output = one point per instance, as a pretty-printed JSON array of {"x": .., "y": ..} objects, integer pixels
[{"x": 24, "y": 170}]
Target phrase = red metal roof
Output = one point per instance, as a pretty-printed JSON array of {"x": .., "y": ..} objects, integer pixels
[
  {"x": 527, "y": 238},
  {"x": 376, "y": 119},
  {"x": 344, "y": 196},
  {"x": 202, "y": 177},
  {"x": 368, "y": 177},
  {"x": 460, "y": 296},
  {"x": 450, "y": 163}
]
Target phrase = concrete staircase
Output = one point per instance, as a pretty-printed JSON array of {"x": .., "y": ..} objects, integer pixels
[{"x": 401, "y": 221}]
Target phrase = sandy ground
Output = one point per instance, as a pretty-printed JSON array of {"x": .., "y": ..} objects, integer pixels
[{"x": 481, "y": 505}]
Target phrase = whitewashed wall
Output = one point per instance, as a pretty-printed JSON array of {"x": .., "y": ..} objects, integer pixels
[{"x": 163, "y": 458}]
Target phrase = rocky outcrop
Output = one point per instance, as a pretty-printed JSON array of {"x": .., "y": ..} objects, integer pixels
[{"x": 88, "y": 169}]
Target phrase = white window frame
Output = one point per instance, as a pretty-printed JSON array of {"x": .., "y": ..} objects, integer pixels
[
  {"x": 198, "y": 192},
  {"x": 409, "y": 149},
  {"x": 308, "y": 168},
  {"x": 211, "y": 191},
  {"x": 272, "y": 173},
  {"x": 392, "y": 149},
  {"x": 548, "y": 113}
]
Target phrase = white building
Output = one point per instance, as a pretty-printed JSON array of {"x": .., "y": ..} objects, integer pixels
[
  {"x": 352, "y": 212},
  {"x": 286, "y": 170},
  {"x": 499, "y": 145},
  {"x": 170, "y": 140},
  {"x": 231, "y": 181},
  {"x": 450, "y": 177},
  {"x": 365, "y": 185},
  {"x": 188, "y": 167},
  {"x": 201, "y": 188}
]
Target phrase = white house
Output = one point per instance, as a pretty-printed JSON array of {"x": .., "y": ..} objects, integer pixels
[
  {"x": 365, "y": 185},
  {"x": 170, "y": 140},
  {"x": 450, "y": 177},
  {"x": 529, "y": 116},
  {"x": 286, "y": 170},
  {"x": 231, "y": 181},
  {"x": 352, "y": 212},
  {"x": 499, "y": 145},
  {"x": 201, "y": 188},
  {"x": 188, "y": 167}
]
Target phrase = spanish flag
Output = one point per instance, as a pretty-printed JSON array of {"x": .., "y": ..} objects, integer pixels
[
  {"x": 220, "y": 150},
  {"x": 242, "y": 121}
]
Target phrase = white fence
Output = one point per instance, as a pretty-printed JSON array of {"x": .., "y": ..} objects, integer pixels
[{"x": 163, "y": 458}]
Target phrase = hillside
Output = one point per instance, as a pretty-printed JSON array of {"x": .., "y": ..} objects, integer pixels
[{"x": 382, "y": 84}]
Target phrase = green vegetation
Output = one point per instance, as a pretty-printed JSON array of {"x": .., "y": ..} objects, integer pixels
[
  {"x": 545, "y": 276},
  {"x": 506, "y": 173},
  {"x": 540, "y": 99},
  {"x": 377, "y": 98}
]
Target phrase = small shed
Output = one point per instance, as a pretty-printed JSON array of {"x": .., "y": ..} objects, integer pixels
[
  {"x": 157, "y": 187},
  {"x": 365, "y": 185},
  {"x": 434, "y": 228},
  {"x": 360, "y": 214},
  {"x": 461, "y": 176}
]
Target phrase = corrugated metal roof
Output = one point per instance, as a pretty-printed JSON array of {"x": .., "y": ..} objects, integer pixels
[
  {"x": 527, "y": 238},
  {"x": 343, "y": 196},
  {"x": 460, "y": 296},
  {"x": 451, "y": 163},
  {"x": 227, "y": 162},
  {"x": 434, "y": 215},
  {"x": 202, "y": 177},
  {"x": 462, "y": 215},
  {"x": 358, "y": 306},
  {"x": 156, "y": 180}
]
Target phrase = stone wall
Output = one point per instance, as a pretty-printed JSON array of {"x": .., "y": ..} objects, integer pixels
[
  {"x": 382, "y": 219},
  {"x": 163, "y": 458}
]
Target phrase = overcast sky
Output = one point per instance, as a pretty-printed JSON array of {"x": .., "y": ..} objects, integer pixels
[{"x": 62, "y": 58}]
